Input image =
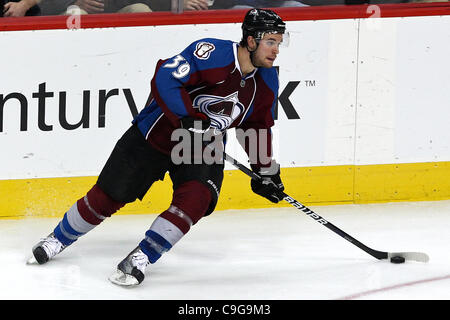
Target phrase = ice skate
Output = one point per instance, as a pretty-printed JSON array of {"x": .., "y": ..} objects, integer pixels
[
  {"x": 46, "y": 249},
  {"x": 131, "y": 270}
]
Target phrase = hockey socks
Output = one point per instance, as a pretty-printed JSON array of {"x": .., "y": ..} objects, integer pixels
[
  {"x": 160, "y": 238},
  {"x": 190, "y": 202},
  {"x": 85, "y": 215},
  {"x": 68, "y": 232}
]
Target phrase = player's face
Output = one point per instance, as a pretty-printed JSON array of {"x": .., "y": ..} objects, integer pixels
[{"x": 268, "y": 49}]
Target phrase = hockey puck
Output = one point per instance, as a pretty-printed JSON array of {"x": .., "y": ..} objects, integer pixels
[{"x": 397, "y": 259}]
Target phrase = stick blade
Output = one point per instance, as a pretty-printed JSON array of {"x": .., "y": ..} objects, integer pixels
[{"x": 410, "y": 256}]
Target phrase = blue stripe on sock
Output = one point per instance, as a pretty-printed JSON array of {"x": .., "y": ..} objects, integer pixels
[
  {"x": 151, "y": 253},
  {"x": 69, "y": 228},
  {"x": 154, "y": 246},
  {"x": 158, "y": 239},
  {"x": 61, "y": 236}
]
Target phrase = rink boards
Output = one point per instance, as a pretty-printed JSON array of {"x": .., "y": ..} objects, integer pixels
[{"x": 363, "y": 111}]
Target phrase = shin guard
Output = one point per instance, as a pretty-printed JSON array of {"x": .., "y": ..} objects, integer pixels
[
  {"x": 85, "y": 214},
  {"x": 189, "y": 204}
]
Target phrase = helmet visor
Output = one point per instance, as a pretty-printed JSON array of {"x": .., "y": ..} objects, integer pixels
[
  {"x": 286, "y": 39},
  {"x": 284, "y": 43}
]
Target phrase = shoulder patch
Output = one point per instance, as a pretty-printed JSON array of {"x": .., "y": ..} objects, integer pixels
[{"x": 203, "y": 50}]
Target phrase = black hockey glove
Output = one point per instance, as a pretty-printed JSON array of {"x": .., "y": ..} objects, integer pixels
[
  {"x": 198, "y": 124},
  {"x": 270, "y": 187}
]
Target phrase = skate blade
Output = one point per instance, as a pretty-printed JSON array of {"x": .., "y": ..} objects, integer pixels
[
  {"x": 123, "y": 279},
  {"x": 32, "y": 261}
]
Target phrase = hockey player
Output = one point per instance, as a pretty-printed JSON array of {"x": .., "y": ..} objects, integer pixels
[{"x": 212, "y": 85}]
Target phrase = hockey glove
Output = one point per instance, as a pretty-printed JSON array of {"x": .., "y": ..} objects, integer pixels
[
  {"x": 270, "y": 187},
  {"x": 198, "y": 124}
]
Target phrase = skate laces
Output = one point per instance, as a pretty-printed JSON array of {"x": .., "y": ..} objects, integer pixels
[
  {"x": 52, "y": 246},
  {"x": 140, "y": 260}
]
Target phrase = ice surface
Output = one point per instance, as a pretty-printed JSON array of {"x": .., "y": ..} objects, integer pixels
[{"x": 244, "y": 254}]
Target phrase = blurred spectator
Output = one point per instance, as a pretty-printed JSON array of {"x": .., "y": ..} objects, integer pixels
[
  {"x": 56, "y": 7},
  {"x": 20, "y": 8},
  {"x": 196, "y": 4},
  {"x": 75, "y": 7}
]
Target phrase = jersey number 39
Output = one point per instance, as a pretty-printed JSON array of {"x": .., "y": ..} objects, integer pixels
[{"x": 182, "y": 67}]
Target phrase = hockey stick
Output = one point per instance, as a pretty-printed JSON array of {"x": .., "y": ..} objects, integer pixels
[{"x": 381, "y": 255}]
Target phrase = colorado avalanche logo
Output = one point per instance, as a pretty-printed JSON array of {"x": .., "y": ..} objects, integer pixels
[
  {"x": 221, "y": 110},
  {"x": 203, "y": 50}
]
